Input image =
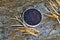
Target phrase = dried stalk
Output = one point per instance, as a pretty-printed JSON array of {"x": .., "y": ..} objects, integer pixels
[
  {"x": 17, "y": 38},
  {"x": 53, "y": 15},
  {"x": 25, "y": 29},
  {"x": 58, "y": 2}
]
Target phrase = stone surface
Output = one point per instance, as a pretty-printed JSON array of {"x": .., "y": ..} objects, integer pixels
[{"x": 11, "y": 8}]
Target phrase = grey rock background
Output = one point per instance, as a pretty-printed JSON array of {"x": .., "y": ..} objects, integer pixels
[{"x": 11, "y": 8}]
